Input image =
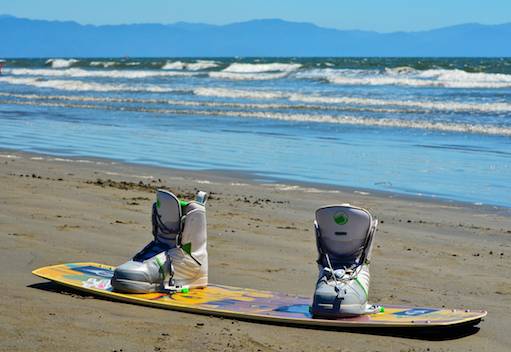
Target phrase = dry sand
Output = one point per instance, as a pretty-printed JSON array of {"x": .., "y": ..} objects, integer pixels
[{"x": 260, "y": 236}]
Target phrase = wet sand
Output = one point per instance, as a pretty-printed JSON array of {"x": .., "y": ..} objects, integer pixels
[{"x": 54, "y": 210}]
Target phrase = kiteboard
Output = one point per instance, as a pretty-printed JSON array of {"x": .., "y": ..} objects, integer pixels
[{"x": 250, "y": 304}]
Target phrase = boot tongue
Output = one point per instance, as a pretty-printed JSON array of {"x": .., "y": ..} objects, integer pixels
[{"x": 168, "y": 212}]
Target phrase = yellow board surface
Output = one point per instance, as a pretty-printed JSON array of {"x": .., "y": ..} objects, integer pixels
[{"x": 242, "y": 303}]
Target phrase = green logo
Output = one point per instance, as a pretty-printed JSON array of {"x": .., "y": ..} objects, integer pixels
[
  {"x": 157, "y": 202},
  {"x": 187, "y": 247},
  {"x": 340, "y": 218}
]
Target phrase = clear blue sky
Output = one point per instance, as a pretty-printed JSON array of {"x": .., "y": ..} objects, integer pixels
[{"x": 379, "y": 15}]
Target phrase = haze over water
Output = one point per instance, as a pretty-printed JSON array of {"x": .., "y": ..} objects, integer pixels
[{"x": 431, "y": 127}]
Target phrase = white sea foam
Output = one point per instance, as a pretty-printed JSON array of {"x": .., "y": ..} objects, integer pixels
[
  {"x": 315, "y": 102},
  {"x": 400, "y": 76},
  {"x": 406, "y": 76},
  {"x": 316, "y": 118},
  {"x": 61, "y": 63},
  {"x": 318, "y": 99},
  {"x": 429, "y": 105},
  {"x": 81, "y": 73},
  {"x": 76, "y": 85},
  {"x": 462, "y": 79},
  {"x": 186, "y": 102},
  {"x": 285, "y": 187},
  {"x": 375, "y": 122},
  {"x": 384, "y": 122},
  {"x": 237, "y": 93},
  {"x": 191, "y": 66},
  {"x": 82, "y": 161},
  {"x": 201, "y": 65},
  {"x": 321, "y": 102},
  {"x": 248, "y": 76},
  {"x": 400, "y": 70},
  {"x": 245, "y": 71},
  {"x": 259, "y": 68},
  {"x": 176, "y": 65},
  {"x": 360, "y": 77},
  {"x": 105, "y": 64}
]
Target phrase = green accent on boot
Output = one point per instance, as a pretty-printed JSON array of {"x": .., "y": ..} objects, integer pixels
[
  {"x": 157, "y": 202},
  {"x": 382, "y": 309},
  {"x": 341, "y": 219},
  {"x": 362, "y": 287},
  {"x": 183, "y": 203},
  {"x": 185, "y": 290},
  {"x": 187, "y": 247},
  {"x": 160, "y": 264}
]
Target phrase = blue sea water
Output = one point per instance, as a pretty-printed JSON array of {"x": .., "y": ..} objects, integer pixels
[{"x": 438, "y": 128}]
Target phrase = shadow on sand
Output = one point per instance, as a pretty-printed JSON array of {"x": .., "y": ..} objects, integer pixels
[{"x": 430, "y": 334}]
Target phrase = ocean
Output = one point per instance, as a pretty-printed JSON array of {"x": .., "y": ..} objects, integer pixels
[{"x": 433, "y": 128}]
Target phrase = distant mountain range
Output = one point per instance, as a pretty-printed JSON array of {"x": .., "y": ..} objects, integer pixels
[{"x": 268, "y": 37}]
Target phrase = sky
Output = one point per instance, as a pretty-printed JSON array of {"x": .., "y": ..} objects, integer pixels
[{"x": 378, "y": 15}]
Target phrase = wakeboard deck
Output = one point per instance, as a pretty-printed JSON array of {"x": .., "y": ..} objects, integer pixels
[{"x": 249, "y": 304}]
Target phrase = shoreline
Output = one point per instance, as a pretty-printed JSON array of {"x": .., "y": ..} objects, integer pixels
[
  {"x": 255, "y": 179},
  {"x": 259, "y": 236}
]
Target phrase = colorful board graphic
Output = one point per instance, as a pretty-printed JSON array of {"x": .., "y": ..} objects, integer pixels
[{"x": 251, "y": 304}]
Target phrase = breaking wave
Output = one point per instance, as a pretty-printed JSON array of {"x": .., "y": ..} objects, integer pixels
[
  {"x": 237, "y": 93},
  {"x": 313, "y": 98},
  {"x": 293, "y": 117},
  {"x": 260, "y": 68},
  {"x": 81, "y": 73},
  {"x": 105, "y": 64},
  {"x": 61, "y": 63},
  {"x": 239, "y": 71},
  {"x": 76, "y": 85},
  {"x": 318, "y": 99},
  {"x": 248, "y": 76},
  {"x": 406, "y": 76},
  {"x": 245, "y": 71},
  {"x": 191, "y": 66}
]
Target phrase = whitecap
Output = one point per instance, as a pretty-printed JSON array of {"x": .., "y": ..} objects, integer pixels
[
  {"x": 191, "y": 66},
  {"x": 406, "y": 76},
  {"x": 76, "y": 85},
  {"x": 81, "y": 73},
  {"x": 248, "y": 76},
  {"x": 315, "y": 118},
  {"x": 498, "y": 107},
  {"x": 61, "y": 63},
  {"x": 176, "y": 65},
  {"x": 260, "y": 68},
  {"x": 201, "y": 65},
  {"x": 105, "y": 64}
]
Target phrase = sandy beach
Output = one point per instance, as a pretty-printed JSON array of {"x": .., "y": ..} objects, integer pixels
[{"x": 56, "y": 210}]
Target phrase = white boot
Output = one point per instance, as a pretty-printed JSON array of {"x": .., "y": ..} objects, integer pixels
[
  {"x": 190, "y": 258},
  {"x": 177, "y": 257},
  {"x": 344, "y": 237}
]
